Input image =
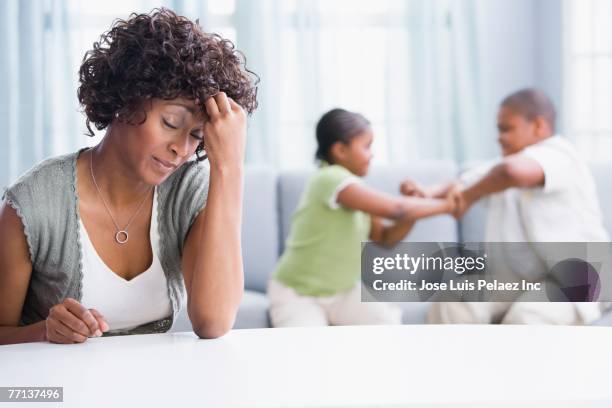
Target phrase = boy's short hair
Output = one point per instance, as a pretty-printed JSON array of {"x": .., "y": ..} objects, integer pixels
[{"x": 531, "y": 103}]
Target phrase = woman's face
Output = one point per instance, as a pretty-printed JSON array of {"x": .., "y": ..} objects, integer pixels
[{"x": 168, "y": 138}]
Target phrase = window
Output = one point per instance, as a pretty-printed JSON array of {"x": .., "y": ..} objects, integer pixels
[{"x": 588, "y": 77}]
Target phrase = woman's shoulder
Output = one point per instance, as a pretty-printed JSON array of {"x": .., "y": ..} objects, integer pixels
[{"x": 51, "y": 174}]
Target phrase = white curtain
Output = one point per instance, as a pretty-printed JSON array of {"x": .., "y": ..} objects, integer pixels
[
  {"x": 37, "y": 100},
  {"x": 410, "y": 66}
]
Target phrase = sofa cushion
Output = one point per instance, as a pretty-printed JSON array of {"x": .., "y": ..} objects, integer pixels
[
  {"x": 291, "y": 183},
  {"x": 252, "y": 313},
  {"x": 260, "y": 227}
]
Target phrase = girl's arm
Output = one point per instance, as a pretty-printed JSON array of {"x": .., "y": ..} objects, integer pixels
[
  {"x": 212, "y": 257},
  {"x": 360, "y": 197},
  {"x": 389, "y": 235},
  {"x": 410, "y": 188},
  {"x": 405, "y": 211}
]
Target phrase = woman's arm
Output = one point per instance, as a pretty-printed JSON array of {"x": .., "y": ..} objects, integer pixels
[
  {"x": 15, "y": 272},
  {"x": 212, "y": 257},
  {"x": 68, "y": 322}
]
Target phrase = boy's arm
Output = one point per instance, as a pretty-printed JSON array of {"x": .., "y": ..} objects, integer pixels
[{"x": 513, "y": 171}]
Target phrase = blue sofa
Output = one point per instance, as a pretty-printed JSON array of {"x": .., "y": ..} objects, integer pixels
[{"x": 271, "y": 198}]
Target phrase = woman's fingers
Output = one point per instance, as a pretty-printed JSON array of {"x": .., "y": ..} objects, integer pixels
[
  {"x": 75, "y": 324},
  {"x": 235, "y": 106},
  {"x": 83, "y": 314},
  {"x": 68, "y": 333},
  {"x": 211, "y": 108},
  {"x": 101, "y": 320},
  {"x": 70, "y": 322},
  {"x": 223, "y": 103},
  {"x": 60, "y": 333},
  {"x": 220, "y": 104}
]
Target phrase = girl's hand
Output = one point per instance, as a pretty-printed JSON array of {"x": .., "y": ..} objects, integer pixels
[
  {"x": 70, "y": 322},
  {"x": 224, "y": 132},
  {"x": 461, "y": 202}
]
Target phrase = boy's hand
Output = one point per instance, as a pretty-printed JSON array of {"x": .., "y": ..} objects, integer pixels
[
  {"x": 412, "y": 188},
  {"x": 462, "y": 203},
  {"x": 453, "y": 199}
]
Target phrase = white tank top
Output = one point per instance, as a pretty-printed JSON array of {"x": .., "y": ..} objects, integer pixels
[{"x": 125, "y": 304}]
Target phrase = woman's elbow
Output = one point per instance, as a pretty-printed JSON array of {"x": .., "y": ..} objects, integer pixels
[{"x": 212, "y": 328}]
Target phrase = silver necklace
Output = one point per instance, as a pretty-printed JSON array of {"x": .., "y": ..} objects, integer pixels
[{"x": 122, "y": 235}]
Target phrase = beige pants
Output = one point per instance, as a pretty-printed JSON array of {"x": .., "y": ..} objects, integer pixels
[
  {"x": 290, "y": 309},
  {"x": 564, "y": 313}
]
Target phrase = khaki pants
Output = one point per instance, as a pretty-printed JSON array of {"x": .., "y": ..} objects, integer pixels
[
  {"x": 290, "y": 309},
  {"x": 564, "y": 313}
]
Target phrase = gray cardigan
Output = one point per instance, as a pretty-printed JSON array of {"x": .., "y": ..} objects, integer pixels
[{"x": 45, "y": 198}]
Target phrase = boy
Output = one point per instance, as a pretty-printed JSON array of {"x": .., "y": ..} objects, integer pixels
[{"x": 540, "y": 190}]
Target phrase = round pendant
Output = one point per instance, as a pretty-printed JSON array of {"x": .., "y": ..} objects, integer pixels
[{"x": 121, "y": 237}]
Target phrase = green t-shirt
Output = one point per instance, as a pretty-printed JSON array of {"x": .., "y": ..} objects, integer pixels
[{"x": 323, "y": 251}]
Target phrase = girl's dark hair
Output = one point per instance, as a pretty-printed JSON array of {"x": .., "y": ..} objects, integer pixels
[
  {"x": 338, "y": 125},
  {"x": 159, "y": 55}
]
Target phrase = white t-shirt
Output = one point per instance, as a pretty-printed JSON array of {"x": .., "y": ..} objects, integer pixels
[
  {"x": 565, "y": 209},
  {"x": 125, "y": 304}
]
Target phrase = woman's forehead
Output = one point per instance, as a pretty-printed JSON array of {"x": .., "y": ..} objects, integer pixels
[{"x": 188, "y": 105}]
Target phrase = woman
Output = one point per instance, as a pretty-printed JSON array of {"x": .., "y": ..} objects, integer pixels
[{"x": 111, "y": 239}]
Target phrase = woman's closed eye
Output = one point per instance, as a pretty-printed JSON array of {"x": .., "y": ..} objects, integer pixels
[
  {"x": 198, "y": 135},
  {"x": 170, "y": 125}
]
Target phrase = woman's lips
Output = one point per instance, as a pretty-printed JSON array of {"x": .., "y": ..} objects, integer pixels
[{"x": 165, "y": 165}]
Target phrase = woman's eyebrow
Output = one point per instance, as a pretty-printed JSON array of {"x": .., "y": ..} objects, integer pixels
[{"x": 183, "y": 105}]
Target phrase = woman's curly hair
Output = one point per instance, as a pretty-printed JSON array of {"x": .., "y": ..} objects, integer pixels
[{"x": 159, "y": 55}]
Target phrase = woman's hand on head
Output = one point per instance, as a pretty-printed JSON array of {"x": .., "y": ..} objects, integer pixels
[
  {"x": 225, "y": 131},
  {"x": 70, "y": 322}
]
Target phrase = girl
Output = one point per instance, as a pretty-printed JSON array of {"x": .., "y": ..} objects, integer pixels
[
  {"x": 112, "y": 238},
  {"x": 316, "y": 281}
]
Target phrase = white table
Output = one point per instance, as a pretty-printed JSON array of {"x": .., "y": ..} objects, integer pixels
[{"x": 431, "y": 366}]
